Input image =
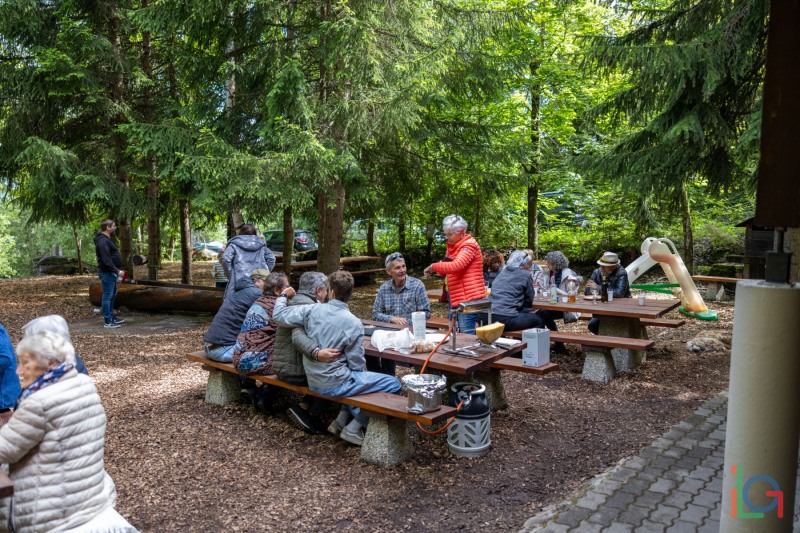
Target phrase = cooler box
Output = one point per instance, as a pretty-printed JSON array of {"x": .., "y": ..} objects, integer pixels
[{"x": 537, "y": 353}]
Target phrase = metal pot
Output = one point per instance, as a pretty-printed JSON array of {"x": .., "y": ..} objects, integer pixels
[{"x": 424, "y": 392}]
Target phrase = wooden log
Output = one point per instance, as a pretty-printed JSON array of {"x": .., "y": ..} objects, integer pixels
[{"x": 162, "y": 296}]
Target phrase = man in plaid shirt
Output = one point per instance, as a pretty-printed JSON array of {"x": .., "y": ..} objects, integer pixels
[{"x": 396, "y": 300}]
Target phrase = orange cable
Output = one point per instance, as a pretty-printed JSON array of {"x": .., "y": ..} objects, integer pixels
[{"x": 422, "y": 371}]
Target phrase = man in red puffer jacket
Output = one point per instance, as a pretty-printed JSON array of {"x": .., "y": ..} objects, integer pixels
[{"x": 463, "y": 266}]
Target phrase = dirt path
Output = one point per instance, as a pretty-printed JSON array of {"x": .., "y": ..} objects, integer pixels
[{"x": 181, "y": 465}]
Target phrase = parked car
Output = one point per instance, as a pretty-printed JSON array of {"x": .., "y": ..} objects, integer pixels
[
  {"x": 305, "y": 243},
  {"x": 206, "y": 251}
]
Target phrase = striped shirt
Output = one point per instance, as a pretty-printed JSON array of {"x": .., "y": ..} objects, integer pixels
[{"x": 218, "y": 273}]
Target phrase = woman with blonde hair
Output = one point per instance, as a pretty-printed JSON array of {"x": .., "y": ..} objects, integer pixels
[{"x": 54, "y": 444}]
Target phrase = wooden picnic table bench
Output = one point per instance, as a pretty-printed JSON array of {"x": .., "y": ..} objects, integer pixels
[
  {"x": 715, "y": 285},
  {"x": 386, "y": 441},
  {"x": 650, "y": 322}
]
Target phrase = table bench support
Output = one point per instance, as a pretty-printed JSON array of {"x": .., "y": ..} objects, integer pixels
[
  {"x": 222, "y": 387},
  {"x": 624, "y": 360},
  {"x": 386, "y": 442},
  {"x": 495, "y": 390},
  {"x": 598, "y": 364}
]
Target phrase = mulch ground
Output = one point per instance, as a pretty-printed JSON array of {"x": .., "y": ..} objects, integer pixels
[{"x": 182, "y": 465}]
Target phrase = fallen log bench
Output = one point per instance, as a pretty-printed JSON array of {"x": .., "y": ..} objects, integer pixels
[
  {"x": 386, "y": 441},
  {"x": 715, "y": 285},
  {"x": 598, "y": 362}
]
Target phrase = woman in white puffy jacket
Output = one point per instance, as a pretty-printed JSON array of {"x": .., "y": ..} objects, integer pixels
[{"x": 54, "y": 444}]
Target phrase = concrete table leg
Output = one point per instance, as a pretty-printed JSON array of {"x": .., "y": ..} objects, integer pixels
[
  {"x": 386, "y": 442},
  {"x": 222, "y": 387},
  {"x": 624, "y": 360},
  {"x": 598, "y": 365},
  {"x": 495, "y": 391}
]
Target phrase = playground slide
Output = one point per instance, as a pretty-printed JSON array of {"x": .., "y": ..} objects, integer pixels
[
  {"x": 675, "y": 269},
  {"x": 643, "y": 263}
]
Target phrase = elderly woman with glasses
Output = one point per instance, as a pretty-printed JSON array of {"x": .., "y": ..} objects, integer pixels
[
  {"x": 54, "y": 445},
  {"x": 512, "y": 292},
  {"x": 557, "y": 275}
]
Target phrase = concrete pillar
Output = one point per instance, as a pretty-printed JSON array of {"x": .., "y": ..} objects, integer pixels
[
  {"x": 614, "y": 326},
  {"x": 763, "y": 425}
]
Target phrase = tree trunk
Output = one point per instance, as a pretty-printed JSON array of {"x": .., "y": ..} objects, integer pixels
[
  {"x": 534, "y": 168},
  {"x": 186, "y": 241},
  {"x": 791, "y": 244},
  {"x": 688, "y": 237},
  {"x": 288, "y": 241},
  {"x": 236, "y": 222},
  {"x": 172, "y": 247},
  {"x": 430, "y": 232},
  {"x": 476, "y": 227},
  {"x": 78, "y": 249},
  {"x": 401, "y": 235},
  {"x": 371, "y": 237},
  {"x": 117, "y": 93},
  {"x": 331, "y": 219},
  {"x": 154, "y": 212},
  {"x": 533, "y": 214}
]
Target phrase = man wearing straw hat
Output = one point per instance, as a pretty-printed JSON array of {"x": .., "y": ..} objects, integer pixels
[{"x": 617, "y": 278}]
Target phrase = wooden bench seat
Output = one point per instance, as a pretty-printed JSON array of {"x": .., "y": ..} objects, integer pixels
[
  {"x": 715, "y": 285},
  {"x": 386, "y": 441},
  {"x": 653, "y": 322}
]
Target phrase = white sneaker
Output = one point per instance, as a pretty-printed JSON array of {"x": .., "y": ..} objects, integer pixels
[
  {"x": 356, "y": 438},
  {"x": 111, "y": 325},
  {"x": 334, "y": 428}
]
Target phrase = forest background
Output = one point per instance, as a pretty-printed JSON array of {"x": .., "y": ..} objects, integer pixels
[{"x": 549, "y": 124}]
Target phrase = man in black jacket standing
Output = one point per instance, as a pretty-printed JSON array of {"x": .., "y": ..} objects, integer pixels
[{"x": 109, "y": 267}]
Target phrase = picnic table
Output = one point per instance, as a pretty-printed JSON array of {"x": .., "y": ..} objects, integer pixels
[
  {"x": 621, "y": 317},
  {"x": 484, "y": 368}
]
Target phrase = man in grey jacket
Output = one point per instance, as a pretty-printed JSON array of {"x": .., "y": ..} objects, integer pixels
[
  {"x": 332, "y": 325},
  {"x": 293, "y": 344}
]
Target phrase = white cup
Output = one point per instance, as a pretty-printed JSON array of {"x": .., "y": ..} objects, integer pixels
[
  {"x": 610, "y": 296},
  {"x": 641, "y": 299},
  {"x": 418, "y": 324}
]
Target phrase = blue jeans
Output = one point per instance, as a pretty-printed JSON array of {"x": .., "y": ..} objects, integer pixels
[
  {"x": 467, "y": 321},
  {"x": 223, "y": 354},
  {"x": 362, "y": 382},
  {"x": 109, "y": 284}
]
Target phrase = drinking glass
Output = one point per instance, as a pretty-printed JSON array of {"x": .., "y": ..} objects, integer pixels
[{"x": 594, "y": 291}]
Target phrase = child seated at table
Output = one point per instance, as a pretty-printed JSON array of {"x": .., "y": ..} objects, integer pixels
[{"x": 332, "y": 325}]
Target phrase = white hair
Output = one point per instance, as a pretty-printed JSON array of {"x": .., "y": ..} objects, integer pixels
[
  {"x": 519, "y": 259},
  {"x": 52, "y": 323},
  {"x": 46, "y": 347},
  {"x": 454, "y": 222}
]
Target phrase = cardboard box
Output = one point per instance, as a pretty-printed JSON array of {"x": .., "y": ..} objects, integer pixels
[{"x": 537, "y": 351}]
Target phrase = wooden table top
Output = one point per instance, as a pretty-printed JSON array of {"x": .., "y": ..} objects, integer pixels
[
  {"x": 441, "y": 360},
  {"x": 620, "y": 307}
]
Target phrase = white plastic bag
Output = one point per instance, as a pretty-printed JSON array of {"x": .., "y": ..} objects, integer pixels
[{"x": 392, "y": 340}]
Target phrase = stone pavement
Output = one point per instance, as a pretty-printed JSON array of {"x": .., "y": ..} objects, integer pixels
[{"x": 675, "y": 484}]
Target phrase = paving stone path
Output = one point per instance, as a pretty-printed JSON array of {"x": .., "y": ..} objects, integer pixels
[{"x": 675, "y": 484}]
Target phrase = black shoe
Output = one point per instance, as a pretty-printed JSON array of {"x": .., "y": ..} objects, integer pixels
[
  {"x": 320, "y": 427},
  {"x": 260, "y": 401},
  {"x": 118, "y": 320},
  {"x": 560, "y": 347},
  {"x": 300, "y": 418}
]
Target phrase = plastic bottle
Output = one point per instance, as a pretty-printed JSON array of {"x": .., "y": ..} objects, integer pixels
[{"x": 604, "y": 290}]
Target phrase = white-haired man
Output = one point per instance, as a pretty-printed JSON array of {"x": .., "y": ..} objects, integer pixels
[{"x": 463, "y": 266}]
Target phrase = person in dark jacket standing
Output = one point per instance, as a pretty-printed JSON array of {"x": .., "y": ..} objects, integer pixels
[
  {"x": 243, "y": 254},
  {"x": 109, "y": 266}
]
